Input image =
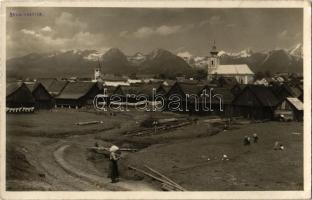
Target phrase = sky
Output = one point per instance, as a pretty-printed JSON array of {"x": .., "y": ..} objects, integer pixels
[{"x": 134, "y": 30}]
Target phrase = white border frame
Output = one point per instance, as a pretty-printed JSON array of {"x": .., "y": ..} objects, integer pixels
[{"x": 305, "y": 194}]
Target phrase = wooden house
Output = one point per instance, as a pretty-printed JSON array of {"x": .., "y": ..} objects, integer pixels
[
  {"x": 290, "y": 108},
  {"x": 52, "y": 85},
  {"x": 203, "y": 98},
  {"x": 255, "y": 102},
  {"x": 18, "y": 96},
  {"x": 188, "y": 95},
  {"x": 152, "y": 89},
  {"x": 43, "y": 98},
  {"x": 126, "y": 94},
  {"x": 224, "y": 107},
  {"x": 78, "y": 94}
]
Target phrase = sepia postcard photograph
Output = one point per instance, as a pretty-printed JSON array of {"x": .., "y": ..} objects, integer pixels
[{"x": 155, "y": 100}]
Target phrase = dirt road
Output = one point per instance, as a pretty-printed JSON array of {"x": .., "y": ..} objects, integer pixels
[{"x": 49, "y": 158}]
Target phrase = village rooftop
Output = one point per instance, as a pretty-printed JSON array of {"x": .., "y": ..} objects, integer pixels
[{"x": 175, "y": 102}]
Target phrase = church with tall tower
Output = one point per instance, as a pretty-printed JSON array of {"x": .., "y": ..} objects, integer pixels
[{"x": 241, "y": 72}]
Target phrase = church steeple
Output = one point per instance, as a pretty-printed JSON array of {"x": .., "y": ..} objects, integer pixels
[
  {"x": 214, "y": 51},
  {"x": 213, "y": 61},
  {"x": 98, "y": 72}
]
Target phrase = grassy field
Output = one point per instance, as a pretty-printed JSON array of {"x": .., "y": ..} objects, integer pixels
[
  {"x": 196, "y": 163},
  {"x": 58, "y": 123},
  {"x": 191, "y": 155}
]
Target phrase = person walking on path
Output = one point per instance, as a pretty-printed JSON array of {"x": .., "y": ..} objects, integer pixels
[{"x": 113, "y": 157}]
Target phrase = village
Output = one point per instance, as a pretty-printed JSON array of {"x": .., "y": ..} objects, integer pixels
[
  {"x": 238, "y": 93},
  {"x": 58, "y": 131}
]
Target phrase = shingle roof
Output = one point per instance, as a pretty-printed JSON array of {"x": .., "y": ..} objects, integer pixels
[
  {"x": 300, "y": 86},
  {"x": 188, "y": 88},
  {"x": 295, "y": 102},
  {"x": 294, "y": 91},
  {"x": 169, "y": 83},
  {"x": 12, "y": 87},
  {"x": 57, "y": 87},
  {"x": 129, "y": 90},
  {"x": 225, "y": 93},
  {"x": 32, "y": 86},
  {"x": 76, "y": 90},
  {"x": 18, "y": 93},
  {"x": 147, "y": 89},
  {"x": 218, "y": 93},
  {"x": 46, "y": 82},
  {"x": 232, "y": 69},
  {"x": 166, "y": 88},
  {"x": 264, "y": 95}
]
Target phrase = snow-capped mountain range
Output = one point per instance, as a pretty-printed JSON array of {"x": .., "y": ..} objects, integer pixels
[
  {"x": 201, "y": 61},
  {"x": 159, "y": 61}
]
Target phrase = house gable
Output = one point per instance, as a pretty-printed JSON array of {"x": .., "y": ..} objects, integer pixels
[{"x": 246, "y": 98}]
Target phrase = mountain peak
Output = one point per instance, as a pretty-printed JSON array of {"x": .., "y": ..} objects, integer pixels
[
  {"x": 297, "y": 50},
  {"x": 185, "y": 54},
  {"x": 137, "y": 58},
  {"x": 159, "y": 52},
  {"x": 114, "y": 51},
  {"x": 32, "y": 56},
  {"x": 242, "y": 54},
  {"x": 138, "y": 54}
]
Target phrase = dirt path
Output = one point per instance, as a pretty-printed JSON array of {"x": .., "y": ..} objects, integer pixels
[
  {"x": 103, "y": 182},
  {"x": 48, "y": 157},
  {"x": 57, "y": 177}
]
